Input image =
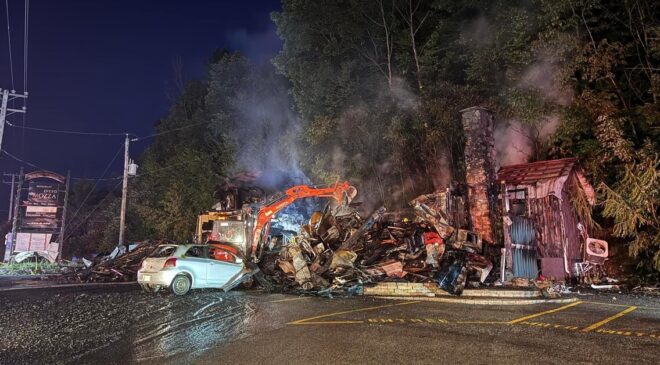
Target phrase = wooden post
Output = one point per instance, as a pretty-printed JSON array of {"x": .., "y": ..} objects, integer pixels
[
  {"x": 63, "y": 224},
  {"x": 14, "y": 225}
]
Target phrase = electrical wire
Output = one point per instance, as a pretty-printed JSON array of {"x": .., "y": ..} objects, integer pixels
[
  {"x": 21, "y": 160},
  {"x": 97, "y": 178},
  {"x": 28, "y": 163},
  {"x": 67, "y": 131},
  {"x": 11, "y": 62},
  {"x": 91, "y": 212},
  {"x": 105, "y": 134},
  {"x": 161, "y": 169},
  {"x": 25, "y": 68},
  {"x": 25, "y": 43},
  {"x": 97, "y": 182},
  {"x": 167, "y": 131}
]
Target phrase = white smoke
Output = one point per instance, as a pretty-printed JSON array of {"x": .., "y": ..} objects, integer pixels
[
  {"x": 515, "y": 142},
  {"x": 402, "y": 95},
  {"x": 544, "y": 76}
]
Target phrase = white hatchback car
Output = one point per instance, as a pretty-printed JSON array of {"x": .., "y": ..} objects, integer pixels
[{"x": 184, "y": 267}]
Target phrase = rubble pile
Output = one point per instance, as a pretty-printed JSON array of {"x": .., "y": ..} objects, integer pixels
[
  {"x": 339, "y": 251},
  {"x": 118, "y": 266}
]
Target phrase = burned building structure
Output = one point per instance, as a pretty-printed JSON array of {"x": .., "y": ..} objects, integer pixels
[
  {"x": 542, "y": 218},
  {"x": 538, "y": 212}
]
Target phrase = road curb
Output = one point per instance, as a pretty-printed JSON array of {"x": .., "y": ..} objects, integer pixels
[
  {"x": 483, "y": 301},
  {"x": 84, "y": 286},
  {"x": 408, "y": 290},
  {"x": 502, "y": 293}
]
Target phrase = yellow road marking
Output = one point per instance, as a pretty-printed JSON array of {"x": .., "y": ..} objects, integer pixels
[
  {"x": 550, "y": 325},
  {"x": 521, "y": 319},
  {"x": 329, "y": 322},
  {"x": 480, "y": 322},
  {"x": 609, "y": 319},
  {"x": 288, "y": 299},
  {"x": 309, "y": 320}
]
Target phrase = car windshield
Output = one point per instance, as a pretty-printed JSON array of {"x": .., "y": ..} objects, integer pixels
[
  {"x": 224, "y": 231},
  {"x": 163, "y": 251}
]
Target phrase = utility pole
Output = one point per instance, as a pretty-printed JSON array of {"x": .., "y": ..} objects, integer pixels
[
  {"x": 9, "y": 249},
  {"x": 63, "y": 223},
  {"x": 124, "y": 193},
  {"x": 5, "y": 112},
  {"x": 11, "y": 195}
]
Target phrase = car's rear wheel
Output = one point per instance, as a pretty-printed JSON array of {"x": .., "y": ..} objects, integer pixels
[{"x": 180, "y": 285}]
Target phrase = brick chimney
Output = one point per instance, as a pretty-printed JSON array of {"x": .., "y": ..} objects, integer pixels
[{"x": 480, "y": 173}]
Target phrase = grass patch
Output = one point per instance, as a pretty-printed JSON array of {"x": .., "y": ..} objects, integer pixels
[{"x": 29, "y": 268}]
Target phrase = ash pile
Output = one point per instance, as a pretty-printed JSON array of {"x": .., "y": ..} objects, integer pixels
[{"x": 339, "y": 251}]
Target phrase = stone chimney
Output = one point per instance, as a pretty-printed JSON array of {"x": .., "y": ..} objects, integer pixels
[{"x": 480, "y": 173}]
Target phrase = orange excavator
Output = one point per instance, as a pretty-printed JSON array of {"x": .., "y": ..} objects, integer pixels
[{"x": 246, "y": 228}]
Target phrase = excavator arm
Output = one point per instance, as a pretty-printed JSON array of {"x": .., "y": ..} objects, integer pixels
[{"x": 338, "y": 191}]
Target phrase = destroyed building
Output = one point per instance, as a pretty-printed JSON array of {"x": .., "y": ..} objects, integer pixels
[
  {"x": 540, "y": 211},
  {"x": 542, "y": 218}
]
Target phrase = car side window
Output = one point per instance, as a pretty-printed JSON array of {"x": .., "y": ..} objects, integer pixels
[
  {"x": 218, "y": 254},
  {"x": 196, "y": 251}
]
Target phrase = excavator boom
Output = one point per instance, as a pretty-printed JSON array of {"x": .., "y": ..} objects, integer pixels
[{"x": 338, "y": 192}]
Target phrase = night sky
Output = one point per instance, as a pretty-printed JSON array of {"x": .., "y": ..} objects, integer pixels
[{"x": 108, "y": 66}]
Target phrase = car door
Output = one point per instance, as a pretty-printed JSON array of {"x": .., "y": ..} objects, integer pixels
[
  {"x": 223, "y": 266},
  {"x": 195, "y": 260}
]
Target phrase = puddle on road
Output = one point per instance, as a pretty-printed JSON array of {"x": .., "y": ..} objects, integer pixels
[{"x": 181, "y": 327}]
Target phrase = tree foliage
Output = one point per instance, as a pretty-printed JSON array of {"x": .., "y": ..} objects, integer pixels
[
  {"x": 376, "y": 90},
  {"x": 380, "y": 85},
  {"x": 633, "y": 204}
]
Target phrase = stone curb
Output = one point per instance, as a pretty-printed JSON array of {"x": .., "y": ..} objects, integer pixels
[
  {"x": 406, "y": 289},
  {"x": 491, "y": 301},
  {"x": 502, "y": 293},
  {"x": 70, "y": 286}
]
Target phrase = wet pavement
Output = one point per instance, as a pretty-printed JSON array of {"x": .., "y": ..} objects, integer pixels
[{"x": 123, "y": 325}]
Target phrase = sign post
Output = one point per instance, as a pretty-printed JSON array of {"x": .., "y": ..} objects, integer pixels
[{"x": 38, "y": 214}]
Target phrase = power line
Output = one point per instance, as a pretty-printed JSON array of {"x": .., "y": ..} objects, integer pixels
[
  {"x": 90, "y": 213},
  {"x": 21, "y": 160},
  {"x": 106, "y": 134},
  {"x": 167, "y": 131},
  {"x": 97, "y": 178},
  {"x": 97, "y": 182},
  {"x": 28, "y": 163},
  {"x": 161, "y": 169},
  {"x": 11, "y": 62},
  {"x": 25, "y": 67},
  {"x": 67, "y": 131},
  {"x": 25, "y": 43}
]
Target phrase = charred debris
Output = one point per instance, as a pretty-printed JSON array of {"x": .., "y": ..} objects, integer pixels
[{"x": 339, "y": 251}]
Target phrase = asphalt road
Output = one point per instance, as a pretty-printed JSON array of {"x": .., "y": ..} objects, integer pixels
[{"x": 119, "y": 326}]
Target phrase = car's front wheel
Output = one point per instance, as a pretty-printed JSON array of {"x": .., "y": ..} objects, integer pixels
[{"x": 180, "y": 285}]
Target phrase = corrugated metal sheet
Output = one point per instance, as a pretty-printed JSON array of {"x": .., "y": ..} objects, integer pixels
[
  {"x": 531, "y": 173},
  {"x": 523, "y": 237}
]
